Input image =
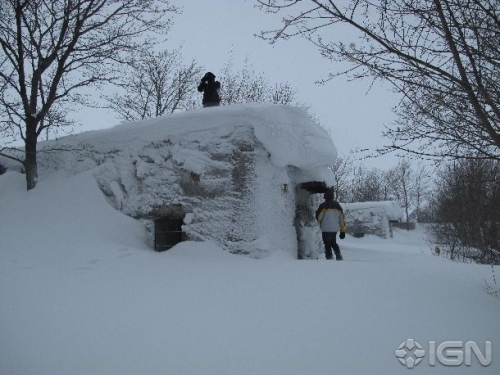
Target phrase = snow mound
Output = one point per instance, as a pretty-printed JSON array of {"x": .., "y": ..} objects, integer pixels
[
  {"x": 200, "y": 250},
  {"x": 70, "y": 216}
]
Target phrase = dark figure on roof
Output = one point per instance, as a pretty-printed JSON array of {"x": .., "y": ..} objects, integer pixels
[
  {"x": 331, "y": 218},
  {"x": 210, "y": 89}
]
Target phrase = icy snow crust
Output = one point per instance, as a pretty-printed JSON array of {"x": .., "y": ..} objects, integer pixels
[{"x": 228, "y": 168}]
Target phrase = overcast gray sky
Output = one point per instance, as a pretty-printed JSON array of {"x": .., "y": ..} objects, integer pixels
[{"x": 209, "y": 30}]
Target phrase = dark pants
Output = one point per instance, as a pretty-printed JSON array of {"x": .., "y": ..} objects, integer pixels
[{"x": 330, "y": 241}]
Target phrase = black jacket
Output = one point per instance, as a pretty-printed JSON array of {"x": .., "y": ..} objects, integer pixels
[{"x": 210, "y": 92}]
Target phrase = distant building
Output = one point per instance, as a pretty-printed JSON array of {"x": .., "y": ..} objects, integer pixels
[{"x": 372, "y": 217}]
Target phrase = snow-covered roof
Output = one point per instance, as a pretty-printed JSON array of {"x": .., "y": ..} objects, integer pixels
[{"x": 287, "y": 133}]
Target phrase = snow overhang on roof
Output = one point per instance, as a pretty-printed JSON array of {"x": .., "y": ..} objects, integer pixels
[{"x": 287, "y": 133}]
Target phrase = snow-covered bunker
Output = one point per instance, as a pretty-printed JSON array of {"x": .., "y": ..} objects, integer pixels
[
  {"x": 244, "y": 176},
  {"x": 372, "y": 217}
]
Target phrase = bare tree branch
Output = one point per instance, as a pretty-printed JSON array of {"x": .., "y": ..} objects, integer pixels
[
  {"x": 51, "y": 50},
  {"x": 442, "y": 56},
  {"x": 155, "y": 84}
]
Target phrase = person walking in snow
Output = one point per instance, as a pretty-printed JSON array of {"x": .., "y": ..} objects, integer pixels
[
  {"x": 331, "y": 219},
  {"x": 210, "y": 89}
]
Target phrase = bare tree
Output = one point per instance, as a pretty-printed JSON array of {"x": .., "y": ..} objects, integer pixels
[
  {"x": 467, "y": 215},
  {"x": 401, "y": 184},
  {"x": 422, "y": 185},
  {"x": 442, "y": 56},
  {"x": 248, "y": 86},
  {"x": 283, "y": 93},
  {"x": 51, "y": 50},
  {"x": 244, "y": 85},
  {"x": 342, "y": 171},
  {"x": 366, "y": 185},
  {"x": 154, "y": 85}
]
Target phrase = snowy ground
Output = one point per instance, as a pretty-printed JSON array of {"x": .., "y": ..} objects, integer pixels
[{"x": 80, "y": 294}]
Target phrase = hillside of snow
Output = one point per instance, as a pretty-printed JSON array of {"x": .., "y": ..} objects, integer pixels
[{"x": 81, "y": 293}]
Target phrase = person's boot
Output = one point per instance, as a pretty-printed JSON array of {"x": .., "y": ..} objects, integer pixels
[
  {"x": 338, "y": 256},
  {"x": 328, "y": 255}
]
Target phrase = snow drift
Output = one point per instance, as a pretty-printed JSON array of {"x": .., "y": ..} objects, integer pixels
[{"x": 81, "y": 294}]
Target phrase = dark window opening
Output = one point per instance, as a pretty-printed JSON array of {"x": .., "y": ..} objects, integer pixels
[{"x": 168, "y": 233}]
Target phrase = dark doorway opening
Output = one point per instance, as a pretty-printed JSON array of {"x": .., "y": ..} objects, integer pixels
[{"x": 168, "y": 233}]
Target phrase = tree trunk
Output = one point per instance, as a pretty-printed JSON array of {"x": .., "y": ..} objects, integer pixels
[
  {"x": 407, "y": 219},
  {"x": 30, "y": 162}
]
